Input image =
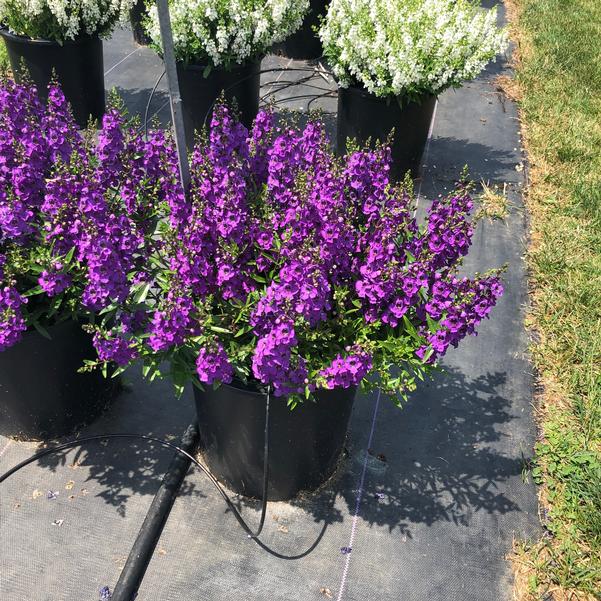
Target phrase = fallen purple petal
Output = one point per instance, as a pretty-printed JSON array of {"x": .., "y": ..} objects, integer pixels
[{"x": 105, "y": 594}]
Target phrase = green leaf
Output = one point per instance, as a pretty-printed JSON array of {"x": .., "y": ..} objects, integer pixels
[
  {"x": 109, "y": 309},
  {"x": 55, "y": 305},
  {"x": 433, "y": 326},
  {"x": 197, "y": 384},
  {"x": 243, "y": 330},
  {"x": 219, "y": 330},
  {"x": 411, "y": 329},
  {"x": 69, "y": 255},
  {"x": 118, "y": 371},
  {"x": 34, "y": 291},
  {"x": 42, "y": 330},
  {"x": 142, "y": 293},
  {"x": 427, "y": 355},
  {"x": 35, "y": 268}
]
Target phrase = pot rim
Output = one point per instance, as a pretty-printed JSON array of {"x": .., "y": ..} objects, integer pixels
[
  {"x": 239, "y": 387},
  {"x": 201, "y": 67},
  {"x": 23, "y": 39},
  {"x": 362, "y": 91}
]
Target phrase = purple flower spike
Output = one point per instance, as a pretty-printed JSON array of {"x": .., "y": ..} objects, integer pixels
[
  {"x": 283, "y": 265},
  {"x": 213, "y": 365},
  {"x": 73, "y": 213}
]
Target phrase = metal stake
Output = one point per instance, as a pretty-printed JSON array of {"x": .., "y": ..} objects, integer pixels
[{"x": 175, "y": 99}]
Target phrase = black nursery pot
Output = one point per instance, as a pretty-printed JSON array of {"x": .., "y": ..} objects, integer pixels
[
  {"x": 305, "y": 443},
  {"x": 41, "y": 394},
  {"x": 137, "y": 14},
  {"x": 78, "y": 65},
  {"x": 363, "y": 116},
  {"x": 199, "y": 94},
  {"x": 305, "y": 43}
]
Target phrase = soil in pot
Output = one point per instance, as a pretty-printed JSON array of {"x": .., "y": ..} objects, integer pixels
[
  {"x": 363, "y": 116},
  {"x": 305, "y": 443},
  {"x": 42, "y": 396},
  {"x": 78, "y": 67},
  {"x": 239, "y": 86}
]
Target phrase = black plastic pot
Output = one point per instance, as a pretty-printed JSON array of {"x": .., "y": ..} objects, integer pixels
[
  {"x": 78, "y": 65},
  {"x": 41, "y": 394},
  {"x": 305, "y": 43},
  {"x": 199, "y": 93},
  {"x": 363, "y": 116},
  {"x": 305, "y": 443},
  {"x": 136, "y": 15}
]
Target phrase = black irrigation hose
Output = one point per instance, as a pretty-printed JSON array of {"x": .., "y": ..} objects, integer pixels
[
  {"x": 147, "y": 110},
  {"x": 313, "y": 70},
  {"x": 281, "y": 85},
  {"x": 141, "y": 552},
  {"x": 265, "y": 467},
  {"x": 252, "y": 535},
  {"x": 261, "y": 72},
  {"x": 300, "y": 96}
]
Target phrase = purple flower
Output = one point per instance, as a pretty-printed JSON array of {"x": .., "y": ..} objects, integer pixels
[
  {"x": 172, "y": 324},
  {"x": 105, "y": 594},
  {"x": 274, "y": 361},
  {"x": 283, "y": 261},
  {"x": 115, "y": 348},
  {"x": 54, "y": 282},
  {"x": 347, "y": 371},
  {"x": 12, "y": 323},
  {"x": 59, "y": 194},
  {"x": 212, "y": 365}
]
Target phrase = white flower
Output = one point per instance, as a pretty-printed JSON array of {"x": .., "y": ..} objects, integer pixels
[
  {"x": 409, "y": 47},
  {"x": 62, "y": 20},
  {"x": 227, "y": 32}
]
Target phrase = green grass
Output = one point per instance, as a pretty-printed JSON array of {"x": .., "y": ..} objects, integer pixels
[{"x": 559, "y": 82}]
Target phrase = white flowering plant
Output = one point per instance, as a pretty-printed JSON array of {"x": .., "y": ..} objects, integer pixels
[
  {"x": 225, "y": 33},
  {"x": 408, "y": 48},
  {"x": 62, "y": 20}
]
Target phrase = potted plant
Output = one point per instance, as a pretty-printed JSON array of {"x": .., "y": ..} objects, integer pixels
[
  {"x": 392, "y": 58},
  {"x": 70, "y": 228},
  {"x": 219, "y": 45},
  {"x": 61, "y": 38},
  {"x": 305, "y": 44},
  {"x": 137, "y": 16},
  {"x": 291, "y": 273}
]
